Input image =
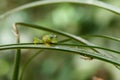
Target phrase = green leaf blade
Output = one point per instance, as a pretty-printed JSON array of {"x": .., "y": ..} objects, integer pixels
[
  {"x": 80, "y": 2},
  {"x": 66, "y": 49}
]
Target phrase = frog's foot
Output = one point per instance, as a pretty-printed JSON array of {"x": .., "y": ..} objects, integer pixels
[{"x": 47, "y": 45}]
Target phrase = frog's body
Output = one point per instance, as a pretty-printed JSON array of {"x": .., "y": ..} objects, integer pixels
[{"x": 46, "y": 39}]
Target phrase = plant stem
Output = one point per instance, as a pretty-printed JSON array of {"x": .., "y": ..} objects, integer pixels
[
  {"x": 16, "y": 65},
  {"x": 17, "y": 56}
]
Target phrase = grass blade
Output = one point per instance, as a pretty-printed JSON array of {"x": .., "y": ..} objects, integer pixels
[
  {"x": 27, "y": 63},
  {"x": 84, "y": 2},
  {"x": 65, "y": 48},
  {"x": 104, "y": 36}
]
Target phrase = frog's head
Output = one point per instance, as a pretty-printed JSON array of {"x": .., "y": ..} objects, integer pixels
[{"x": 53, "y": 38}]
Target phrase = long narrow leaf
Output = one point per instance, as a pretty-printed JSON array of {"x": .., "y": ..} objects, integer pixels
[
  {"x": 24, "y": 67},
  {"x": 55, "y": 31},
  {"x": 103, "y": 36},
  {"x": 81, "y": 2},
  {"x": 65, "y": 48},
  {"x": 72, "y": 45}
]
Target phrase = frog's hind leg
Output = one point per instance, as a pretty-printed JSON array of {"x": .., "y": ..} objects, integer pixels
[{"x": 35, "y": 40}]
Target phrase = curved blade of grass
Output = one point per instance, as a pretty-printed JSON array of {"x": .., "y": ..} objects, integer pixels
[
  {"x": 71, "y": 36},
  {"x": 81, "y": 2},
  {"x": 72, "y": 45},
  {"x": 97, "y": 47},
  {"x": 65, "y": 48},
  {"x": 104, "y": 36},
  {"x": 55, "y": 31},
  {"x": 27, "y": 63}
]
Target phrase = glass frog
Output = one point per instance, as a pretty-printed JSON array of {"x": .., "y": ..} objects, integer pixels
[{"x": 46, "y": 39}]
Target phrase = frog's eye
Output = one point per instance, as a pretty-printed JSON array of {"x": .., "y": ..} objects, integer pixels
[{"x": 53, "y": 36}]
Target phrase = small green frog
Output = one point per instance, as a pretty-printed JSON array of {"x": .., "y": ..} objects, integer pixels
[{"x": 46, "y": 39}]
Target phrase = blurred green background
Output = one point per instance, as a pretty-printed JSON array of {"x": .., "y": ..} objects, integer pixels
[{"x": 57, "y": 65}]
